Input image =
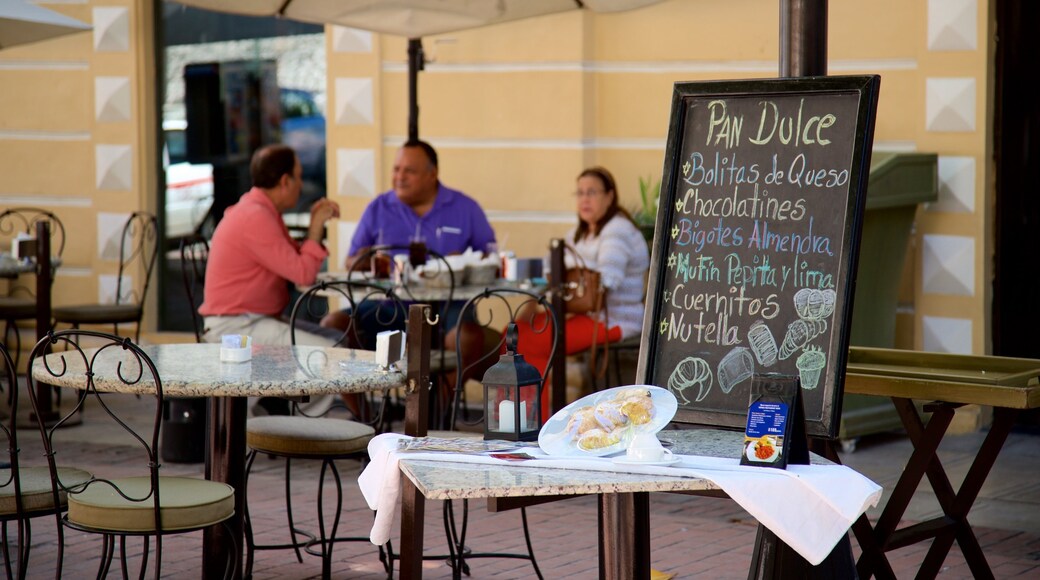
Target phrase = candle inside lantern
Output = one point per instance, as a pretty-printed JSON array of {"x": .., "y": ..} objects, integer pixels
[{"x": 505, "y": 416}]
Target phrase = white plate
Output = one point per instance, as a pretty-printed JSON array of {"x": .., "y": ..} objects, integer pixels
[
  {"x": 554, "y": 440},
  {"x": 624, "y": 460}
]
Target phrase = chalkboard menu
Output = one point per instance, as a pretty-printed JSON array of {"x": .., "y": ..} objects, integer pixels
[{"x": 756, "y": 243}]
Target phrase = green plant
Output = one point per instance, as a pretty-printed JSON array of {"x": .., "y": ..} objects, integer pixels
[{"x": 645, "y": 214}]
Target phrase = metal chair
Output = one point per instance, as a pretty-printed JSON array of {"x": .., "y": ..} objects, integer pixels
[
  {"x": 442, "y": 276},
  {"x": 138, "y": 248},
  {"x": 194, "y": 251},
  {"x": 490, "y": 301},
  {"x": 117, "y": 505},
  {"x": 20, "y": 303},
  {"x": 25, "y": 491},
  {"x": 316, "y": 438}
]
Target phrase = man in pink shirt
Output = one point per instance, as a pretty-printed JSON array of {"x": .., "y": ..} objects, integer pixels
[{"x": 252, "y": 255}]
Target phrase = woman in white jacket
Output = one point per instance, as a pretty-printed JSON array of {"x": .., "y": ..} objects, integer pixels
[{"x": 608, "y": 241}]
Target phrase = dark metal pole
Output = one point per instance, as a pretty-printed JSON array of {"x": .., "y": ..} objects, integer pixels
[
  {"x": 558, "y": 388},
  {"x": 416, "y": 60},
  {"x": 44, "y": 280},
  {"x": 803, "y": 38}
]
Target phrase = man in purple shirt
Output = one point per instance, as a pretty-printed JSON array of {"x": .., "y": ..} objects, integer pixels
[{"x": 420, "y": 208}]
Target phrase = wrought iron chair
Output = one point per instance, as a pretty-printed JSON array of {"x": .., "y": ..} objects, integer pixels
[
  {"x": 116, "y": 505},
  {"x": 25, "y": 491},
  {"x": 194, "y": 251},
  {"x": 316, "y": 438},
  {"x": 138, "y": 248},
  {"x": 20, "y": 303},
  {"x": 436, "y": 273},
  {"x": 515, "y": 303}
]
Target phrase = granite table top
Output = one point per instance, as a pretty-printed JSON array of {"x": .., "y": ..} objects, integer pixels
[
  {"x": 445, "y": 480},
  {"x": 195, "y": 370},
  {"x": 11, "y": 266}
]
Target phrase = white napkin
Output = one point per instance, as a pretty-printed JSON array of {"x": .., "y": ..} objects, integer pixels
[
  {"x": 809, "y": 507},
  {"x": 380, "y": 483}
]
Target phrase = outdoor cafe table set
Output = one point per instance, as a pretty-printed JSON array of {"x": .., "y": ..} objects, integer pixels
[{"x": 817, "y": 503}]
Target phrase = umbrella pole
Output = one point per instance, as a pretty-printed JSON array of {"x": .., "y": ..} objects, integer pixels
[{"x": 416, "y": 60}]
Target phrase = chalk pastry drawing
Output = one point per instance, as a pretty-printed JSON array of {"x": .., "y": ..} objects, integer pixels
[
  {"x": 691, "y": 372},
  {"x": 736, "y": 367},
  {"x": 810, "y": 364},
  {"x": 762, "y": 343},
  {"x": 799, "y": 334},
  {"x": 813, "y": 304}
]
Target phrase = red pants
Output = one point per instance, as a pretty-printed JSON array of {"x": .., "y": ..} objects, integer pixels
[{"x": 535, "y": 343}]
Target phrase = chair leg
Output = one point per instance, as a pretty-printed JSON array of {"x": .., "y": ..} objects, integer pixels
[
  {"x": 527, "y": 539},
  {"x": 455, "y": 548},
  {"x": 24, "y": 544},
  {"x": 107, "y": 552},
  {"x": 4, "y": 551},
  {"x": 247, "y": 523},
  {"x": 8, "y": 326},
  {"x": 327, "y": 541},
  {"x": 289, "y": 512}
]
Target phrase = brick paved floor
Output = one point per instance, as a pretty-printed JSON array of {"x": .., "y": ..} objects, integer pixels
[{"x": 692, "y": 537}]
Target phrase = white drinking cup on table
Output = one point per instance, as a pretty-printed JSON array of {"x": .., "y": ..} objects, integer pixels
[{"x": 646, "y": 447}]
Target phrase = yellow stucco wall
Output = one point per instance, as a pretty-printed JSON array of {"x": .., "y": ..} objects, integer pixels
[
  {"x": 63, "y": 150},
  {"x": 517, "y": 110}
]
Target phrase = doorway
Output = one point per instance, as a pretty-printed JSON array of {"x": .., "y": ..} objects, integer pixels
[
  {"x": 1016, "y": 140},
  {"x": 230, "y": 84}
]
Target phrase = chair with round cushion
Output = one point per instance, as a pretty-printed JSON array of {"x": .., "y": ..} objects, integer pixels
[
  {"x": 25, "y": 490},
  {"x": 306, "y": 436}
]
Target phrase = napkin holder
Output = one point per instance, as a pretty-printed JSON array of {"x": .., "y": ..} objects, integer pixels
[
  {"x": 23, "y": 246},
  {"x": 388, "y": 348}
]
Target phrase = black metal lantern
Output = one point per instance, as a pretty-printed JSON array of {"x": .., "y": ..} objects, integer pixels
[{"x": 512, "y": 396}]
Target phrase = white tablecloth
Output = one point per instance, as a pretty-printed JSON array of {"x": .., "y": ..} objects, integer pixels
[{"x": 817, "y": 503}]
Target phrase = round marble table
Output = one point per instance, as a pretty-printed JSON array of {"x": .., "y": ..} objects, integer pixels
[{"x": 195, "y": 370}]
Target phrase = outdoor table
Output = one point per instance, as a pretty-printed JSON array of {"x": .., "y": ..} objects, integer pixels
[
  {"x": 195, "y": 370},
  {"x": 946, "y": 381},
  {"x": 624, "y": 542}
]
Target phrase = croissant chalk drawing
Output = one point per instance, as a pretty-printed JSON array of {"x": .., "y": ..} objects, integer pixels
[
  {"x": 799, "y": 334},
  {"x": 690, "y": 372}
]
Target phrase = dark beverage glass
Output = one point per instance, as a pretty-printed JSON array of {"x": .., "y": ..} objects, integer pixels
[
  {"x": 417, "y": 254},
  {"x": 381, "y": 263}
]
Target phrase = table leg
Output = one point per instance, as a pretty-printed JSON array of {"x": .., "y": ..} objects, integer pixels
[
  {"x": 956, "y": 505},
  {"x": 44, "y": 272},
  {"x": 227, "y": 464},
  {"x": 953, "y": 525},
  {"x": 413, "y": 512},
  {"x": 624, "y": 535}
]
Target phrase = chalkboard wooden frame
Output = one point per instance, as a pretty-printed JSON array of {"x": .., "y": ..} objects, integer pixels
[{"x": 853, "y": 95}]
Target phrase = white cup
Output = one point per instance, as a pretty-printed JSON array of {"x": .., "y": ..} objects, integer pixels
[{"x": 646, "y": 447}]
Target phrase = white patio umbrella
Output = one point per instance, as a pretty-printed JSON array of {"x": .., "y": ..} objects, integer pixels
[
  {"x": 412, "y": 19},
  {"x": 22, "y": 22}
]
